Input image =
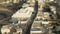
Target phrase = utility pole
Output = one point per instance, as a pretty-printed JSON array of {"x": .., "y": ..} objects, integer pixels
[{"x": 31, "y": 19}]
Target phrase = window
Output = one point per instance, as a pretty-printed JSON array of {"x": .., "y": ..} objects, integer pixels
[{"x": 51, "y": 16}]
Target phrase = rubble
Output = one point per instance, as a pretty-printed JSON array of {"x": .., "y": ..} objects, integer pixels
[{"x": 22, "y": 18}]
